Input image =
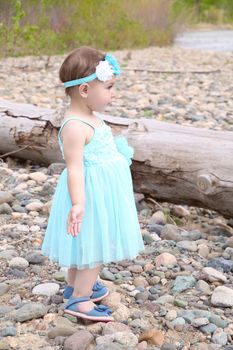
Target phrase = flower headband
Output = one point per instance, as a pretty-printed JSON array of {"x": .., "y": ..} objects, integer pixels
[{"x": 104, "y": 71}]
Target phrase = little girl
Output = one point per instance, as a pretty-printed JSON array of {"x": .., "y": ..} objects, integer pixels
[{"x": 93, "y": 218}]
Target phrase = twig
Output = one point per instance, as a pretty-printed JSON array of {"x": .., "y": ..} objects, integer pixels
[
  {"x": 173, "y": 71},
  {"x": 19, "y": 241},
  {"x": 13, "y": 152}
]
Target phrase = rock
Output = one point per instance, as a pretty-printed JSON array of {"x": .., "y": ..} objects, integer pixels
[
  {"x": 142, "y": 346},
  {"x": 6, "y": 197},
  {"x": 171, "y": 315},
  {"x": 140, "y": 281},
  {"x": 219, "y": 337},
  {"x": 222, "y": 296},
  {"x": 38, "y": 176},
  {"x": 221, "y": 264},
  {"x": 79, "y": 341},
  {"x": 35, "y": 206},
  {"x": 203, "y": 287},
  {"x": 167, "y": 346},
  {"x": 4, "y": 288},
  {"x": 105, "y": 274},
  {"x": 56, "y": 168},
  {"x": 48, "y": 289},
  {"x": 203, "y": 250},
  {"x": 189, "y": 315},
  {"x": 135, "y": 268},
  {"x": 164, "y": 299},
  {"x": 179, "y": 321},
  {"x": 155, "y": 228},
  {"x": 152, "y": 336},
  {"x": 126, "y": 339},
  {"x": 218, "y": 321},
  {"x": 60, "y": 276},
  {"x": 114, "y": 346},
  {"x": 209, "y": 328},
  {"x": 147, "y": 237},
  {"x": 193, "y": 235},
  {"x": 8, "y": 254},
  {"x": 30, "y": 311},
  {"x": 35, "y": 257},
  {"x": 171, "y": 232},
  {"x": 112, "y": 327},
  {"x": 165, "y": 259},
  {"x": 19, "y": 263},
  {"x": 213, "y": 275},
  {"x": 113, "y": 300},
  {"x": 182, "y": 283},
  {"x": 187, "y": 245},
  {"x": 180, "y": 211},
  {"x": 143, "y": 296},
  {"x": 5, "y": 209},
  {"x": 157, "y": 218},
  {"x": 8, "y": 331},
  {"x": 121, "y": 313},
  {"x": 198, "y": 322}
]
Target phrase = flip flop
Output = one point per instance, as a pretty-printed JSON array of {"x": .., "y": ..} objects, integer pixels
[
  {"x": 100, "y": 313},
  {"x": 99, "y": 292}
]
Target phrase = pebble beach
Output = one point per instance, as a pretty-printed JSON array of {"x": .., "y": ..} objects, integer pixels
[{"x": 178, "y": 293}]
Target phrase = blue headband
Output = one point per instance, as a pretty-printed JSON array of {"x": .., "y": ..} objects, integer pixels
[{"x": 104, "y": 71}]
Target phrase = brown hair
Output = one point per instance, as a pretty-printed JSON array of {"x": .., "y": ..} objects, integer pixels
[{"x": 78, "y": 64}]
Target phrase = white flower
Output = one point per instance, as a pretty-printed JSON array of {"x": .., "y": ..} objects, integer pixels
[{"x": 104, "y": 71}]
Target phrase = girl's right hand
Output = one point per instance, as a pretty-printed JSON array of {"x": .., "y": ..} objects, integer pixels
[{"x": 74, "y": 220}]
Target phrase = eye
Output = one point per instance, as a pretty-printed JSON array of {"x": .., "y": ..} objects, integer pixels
[{"x": 109, "y": 87}]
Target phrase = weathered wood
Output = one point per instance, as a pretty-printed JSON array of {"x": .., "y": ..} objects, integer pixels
[{"x": 172, "y": 163}]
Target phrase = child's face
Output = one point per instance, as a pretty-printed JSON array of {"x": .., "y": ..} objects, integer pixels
[{"x": 100, "y": 94}]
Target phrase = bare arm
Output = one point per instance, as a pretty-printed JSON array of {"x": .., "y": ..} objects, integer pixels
[{"x": 74, "y": 136}]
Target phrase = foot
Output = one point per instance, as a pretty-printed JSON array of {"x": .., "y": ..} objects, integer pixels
[
  {"x": 99, "y": 292},
  {"x": 100, "y": 313}
]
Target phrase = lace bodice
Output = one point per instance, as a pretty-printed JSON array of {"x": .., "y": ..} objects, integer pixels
[{"x": 103, "y": 147}]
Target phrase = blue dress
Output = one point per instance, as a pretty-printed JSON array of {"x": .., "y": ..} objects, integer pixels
[{"x": 110, "y": 229}]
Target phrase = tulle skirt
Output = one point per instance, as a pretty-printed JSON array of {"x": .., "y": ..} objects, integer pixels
[{"x": 110, "y": 229}]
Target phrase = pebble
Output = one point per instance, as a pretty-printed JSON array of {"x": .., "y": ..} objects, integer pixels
[
  {"x": 30, "y": 311},
  {"x": 203, "y": 287},
  {"x": 48, "y": 289},
  {"x": 4, "y": 288},
  {"x": 213, "y": 275},
  {"x": 187, "y": 245},
  {"x": 222, "y": 296},
  {"x": 219, "y": 337},
  {"x": 182, "y": 283},
  {"x": 126, "y": 339},
  {"x": 105, "y": 274},
  {"x": 165, "y": 259},
  {"x": 19, "y": 263},
  {"x": 79, "y": 340}
]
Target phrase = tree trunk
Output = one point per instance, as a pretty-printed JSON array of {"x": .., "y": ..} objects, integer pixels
[{"x": 172, "y": 163}]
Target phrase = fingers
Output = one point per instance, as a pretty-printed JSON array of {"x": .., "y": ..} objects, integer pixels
[{"x": 73, "y": 225}]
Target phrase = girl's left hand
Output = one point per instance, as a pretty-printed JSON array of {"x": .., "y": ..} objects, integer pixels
[{"x": 74, "y": 220}]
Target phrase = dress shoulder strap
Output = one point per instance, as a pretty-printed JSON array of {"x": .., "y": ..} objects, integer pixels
[
  {"x": 62, "y": 126},
  {"x": 67, "y": 120}
]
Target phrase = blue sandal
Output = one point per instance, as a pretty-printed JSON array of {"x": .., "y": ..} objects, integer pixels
[
  {"x": 99, "y": 292},
  {"x": 100, "y": 313}
]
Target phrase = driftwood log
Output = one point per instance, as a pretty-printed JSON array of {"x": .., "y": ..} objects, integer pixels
[{"x": 172, "y": 163}]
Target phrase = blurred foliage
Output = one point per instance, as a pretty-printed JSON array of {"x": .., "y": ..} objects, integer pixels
[
  {"x": 209, "y": 11},
  {"x": 32, "y": 27}
]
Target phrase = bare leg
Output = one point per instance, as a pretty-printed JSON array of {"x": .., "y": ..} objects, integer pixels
[
  {"x": 83, "y": 285},
  {"x": 71, "y": 274}
]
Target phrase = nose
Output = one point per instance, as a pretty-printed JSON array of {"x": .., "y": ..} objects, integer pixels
[{"x": 113, "y": 94}]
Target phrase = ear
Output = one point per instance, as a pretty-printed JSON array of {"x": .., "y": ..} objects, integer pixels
[{"x": 83, "y": 90}]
